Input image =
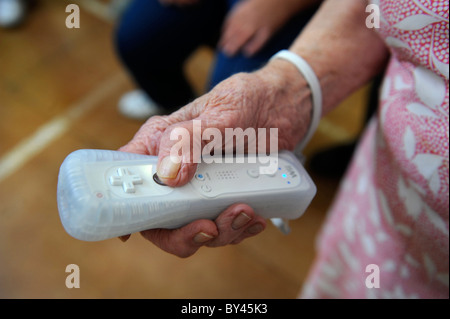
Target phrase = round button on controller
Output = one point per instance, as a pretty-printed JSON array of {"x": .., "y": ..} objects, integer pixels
[
  {"x": 254, "y": 172},
  {"x": 200, "y": 177},
  {"x": 206, "y": 188}
]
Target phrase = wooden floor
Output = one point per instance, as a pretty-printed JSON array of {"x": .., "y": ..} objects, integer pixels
[{"x": 59, "y": 89}]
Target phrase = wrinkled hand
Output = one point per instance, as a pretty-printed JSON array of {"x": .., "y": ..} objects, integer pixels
[
  {"x": 252, "y": 23},
  {"x": 258, "y": 100}
]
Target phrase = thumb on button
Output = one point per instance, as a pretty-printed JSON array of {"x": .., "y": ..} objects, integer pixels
[{"x": 177, "y": 163}]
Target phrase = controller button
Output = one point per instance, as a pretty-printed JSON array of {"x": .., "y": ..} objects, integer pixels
[
  {"x": 268, "y": 171},
  {"x": 126, "y": 179},
  {"x": 200, "y": 177},
  {"x": 254, "y": 172},
  {"x": 206, "y": 188}
]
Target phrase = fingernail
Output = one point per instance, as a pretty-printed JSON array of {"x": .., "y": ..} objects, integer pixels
[
  {"x": 241, "y": 220},
  {"x": 168, "y": 167},
  {"x": 202, "y": 238},
  {"x": 255, "y": 229}
]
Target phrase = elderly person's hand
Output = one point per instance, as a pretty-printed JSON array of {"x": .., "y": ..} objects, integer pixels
[
  {"x": 258, "y": 100},
  {"x": 343, "y": 53}
]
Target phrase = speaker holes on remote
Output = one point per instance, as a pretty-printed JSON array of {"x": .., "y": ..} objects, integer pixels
[{"x": 228, "y": 174}]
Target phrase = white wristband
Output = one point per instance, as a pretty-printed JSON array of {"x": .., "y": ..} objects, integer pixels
[{"x": 314, "y": 86}]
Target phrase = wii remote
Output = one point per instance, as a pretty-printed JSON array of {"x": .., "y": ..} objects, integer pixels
[{"x": 104, "y": 194}]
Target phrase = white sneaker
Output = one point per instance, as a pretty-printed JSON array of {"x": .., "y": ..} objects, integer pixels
[
  {"x": 12, "y": 13},
  {"x": 138, "y": 105}
]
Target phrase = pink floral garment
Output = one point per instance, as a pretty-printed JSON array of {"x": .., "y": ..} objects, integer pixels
[{"x": 392, "y": 208}]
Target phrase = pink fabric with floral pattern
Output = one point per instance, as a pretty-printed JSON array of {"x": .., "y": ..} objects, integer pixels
[{"x": 392, "y": 208}]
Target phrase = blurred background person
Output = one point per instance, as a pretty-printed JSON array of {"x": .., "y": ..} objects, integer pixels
[{"x": 155, "y": 37}]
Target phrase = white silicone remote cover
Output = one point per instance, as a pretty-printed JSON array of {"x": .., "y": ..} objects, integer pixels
[{"x": 104, "y": 194}]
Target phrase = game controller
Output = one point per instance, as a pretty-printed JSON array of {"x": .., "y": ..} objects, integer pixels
[{"x": 104, "y": 194}]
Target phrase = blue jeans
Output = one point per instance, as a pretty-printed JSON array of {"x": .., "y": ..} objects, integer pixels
[{"x": 154, "y": 41}]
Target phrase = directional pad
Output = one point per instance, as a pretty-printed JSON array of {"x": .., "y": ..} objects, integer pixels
[{"x": 126, "y": 179}]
